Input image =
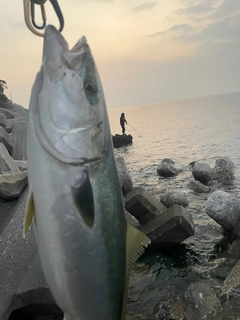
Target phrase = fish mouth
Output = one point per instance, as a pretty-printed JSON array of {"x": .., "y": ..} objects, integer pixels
[{"x": 59, "y": 131}]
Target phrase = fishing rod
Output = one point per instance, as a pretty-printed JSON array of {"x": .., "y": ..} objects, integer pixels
[{"x": 136, "y": 130}]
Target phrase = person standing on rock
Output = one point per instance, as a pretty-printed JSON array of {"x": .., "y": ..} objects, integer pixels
[{"x": 122, "y": 122}]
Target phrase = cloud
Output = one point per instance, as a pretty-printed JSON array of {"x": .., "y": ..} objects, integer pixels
[
  {"x": 223, "y": 30},
  {"x": 144, "y": 7},
  {"x": 196, "y": 10},
  {"x": 175, "y": 29},
  {"x": 228, "y": 8}
]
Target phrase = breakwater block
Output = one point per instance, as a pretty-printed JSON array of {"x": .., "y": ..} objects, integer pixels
[
  {"x": 143, "y": 205},
  {"x": 120, "y": 140},
  {"x": 171, "y": 227}
]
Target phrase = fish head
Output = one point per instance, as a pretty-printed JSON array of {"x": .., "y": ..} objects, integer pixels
[{"x": 70, "y": 112}]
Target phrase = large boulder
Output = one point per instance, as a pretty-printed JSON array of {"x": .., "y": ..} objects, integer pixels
[
  {"x": 143, "y": 205},
  {"x": 12, "y": 185},
  {"x": 123, "y": 174},
  {"x": 225, "y": 210},
  {"x": 171, "y": 198},
  {"x": 166, "y": 170},
  {"x": 223, "y": 170},
  {"x": 121, "y": 140},
  {"x": 198, "y": 187},
  {"x": 202, "y": 172},
  {"x": 170, "y": 228}
]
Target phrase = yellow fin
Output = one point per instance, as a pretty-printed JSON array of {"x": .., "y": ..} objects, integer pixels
[
  {"x": 30, "y": 212},
  {"x": 136, "y": 241}
]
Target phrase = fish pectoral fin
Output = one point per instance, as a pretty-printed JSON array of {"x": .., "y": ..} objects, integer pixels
[
  {"x": 136, "y": 241},
  {"x": 30, "y": 212}
]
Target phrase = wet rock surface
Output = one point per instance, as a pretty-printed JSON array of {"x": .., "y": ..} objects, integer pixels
[
  {"x": 170, "y": 308},
  {"x": 202, "y": 171},
  {"x": 166, "y": 170},
  {"x": 223, "y": 170},
  {"x": 123, "y": 174},
  {"x": 121, "y": 140},
  {"x": 171, "y": 198},
  {"x": 225, "y": 210},
  {"x": 205, "y": 295},
  {"x": 198, "y": 187}
]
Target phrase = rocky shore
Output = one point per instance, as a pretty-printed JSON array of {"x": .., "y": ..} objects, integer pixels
[{"x": 24, "y": 293}]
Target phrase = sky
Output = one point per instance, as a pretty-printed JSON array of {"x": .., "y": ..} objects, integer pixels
[{"x": 145, "y": 51}]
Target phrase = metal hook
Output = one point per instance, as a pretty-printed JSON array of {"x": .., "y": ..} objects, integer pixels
[
  {"x": 27, "y": 16},
  {"x": 59, "y": 13},
  {"x": 43, "y": 16},
  {"x": 30, "y": 16}
]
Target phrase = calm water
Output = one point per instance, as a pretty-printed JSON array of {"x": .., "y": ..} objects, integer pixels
[{"x": 204, "y": 128}]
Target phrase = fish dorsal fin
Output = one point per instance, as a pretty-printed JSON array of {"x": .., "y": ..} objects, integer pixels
[
  {"x": 30, "y": 212},
  {"x": 136, "y": 241}
]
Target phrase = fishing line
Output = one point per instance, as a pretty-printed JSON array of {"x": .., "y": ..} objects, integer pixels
[{"x": 136, "y": 131}]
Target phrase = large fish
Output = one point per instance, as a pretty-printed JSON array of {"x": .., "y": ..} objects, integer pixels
[{"x": 85, "y": 246}]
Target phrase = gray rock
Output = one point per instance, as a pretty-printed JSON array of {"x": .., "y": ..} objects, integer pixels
[
  {"x": 231, "y": 285},
  {"x": 168, "y": 160},
  {"x": 4, "y": 138},
  {"x": 228, "y": 311},
  {"x": 123, "y": 174},
  {"x": 132, "y": 220},
  {"x": 205, "y": 295},
  {"x": 166, "y": 170},
  {"x": 171, "y": 198},
  {"x": 19, "y": 140},
  {"x": 225, "y": 210},
  {"x": 12, "y": 185},
  {"x": 135, "y": 317},
  {"x": 143, "y": 205},
  {"x": 3, "y": 120},
  {"x": 22, "y": 164},
  {"x": 22, "y": 282},
  {"x": 223, "y": 170},
  {"x": 202, "y": 172},
  {"x": 234, "y": 248},
  {"x": 198, "y": 187},
  {"x": 7, "y": 163},
  {"x": 9, "y": 114},
  {"x": 19, "y": 109},
  {"x": 171, "y": 227},
  {"x": 9, "y": 123},
  {"x": 170, "y": 308}
]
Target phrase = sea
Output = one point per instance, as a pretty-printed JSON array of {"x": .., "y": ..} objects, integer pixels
[{"x": 205, "y": 128}]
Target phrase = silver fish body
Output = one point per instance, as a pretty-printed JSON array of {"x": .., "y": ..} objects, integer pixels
[
  {"x": 79, "y": 218},
  {"x": 75, "y": 194}
]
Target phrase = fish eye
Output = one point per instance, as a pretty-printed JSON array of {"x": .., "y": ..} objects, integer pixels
[{"x": 90, "y": 87}]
